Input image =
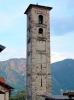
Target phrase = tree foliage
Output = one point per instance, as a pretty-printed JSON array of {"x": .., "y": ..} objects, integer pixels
[{"x": 21, "y": 95}]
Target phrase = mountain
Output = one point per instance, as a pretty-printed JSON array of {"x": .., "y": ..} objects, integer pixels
[
  {"x": 63, "y": 76},
  {"x": 14, "y": 72}
]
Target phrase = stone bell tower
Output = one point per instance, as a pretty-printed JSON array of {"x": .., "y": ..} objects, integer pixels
[{"x": 38, "y": 81}]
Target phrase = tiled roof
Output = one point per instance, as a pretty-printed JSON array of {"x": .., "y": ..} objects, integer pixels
[
  {"x": 5, "y": 85},
  {"x": 39, "y": 6}
]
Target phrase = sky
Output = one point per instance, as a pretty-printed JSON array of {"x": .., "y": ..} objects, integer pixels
[{"x": 13, "y": 28}]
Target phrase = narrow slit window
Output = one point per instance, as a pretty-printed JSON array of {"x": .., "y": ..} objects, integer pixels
[
  {"x": 41, "y": 75},
  {"x": 41, "y": 81},
  {"x": 40, "y": 19}
]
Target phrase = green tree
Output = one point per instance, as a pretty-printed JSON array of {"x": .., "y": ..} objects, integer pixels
[{"x": 21, "y": 95}]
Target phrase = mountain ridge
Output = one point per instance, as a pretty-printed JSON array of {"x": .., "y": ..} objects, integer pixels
[
  {"x": 63, "y": 71},
  {"x": 14, "y": 71}
]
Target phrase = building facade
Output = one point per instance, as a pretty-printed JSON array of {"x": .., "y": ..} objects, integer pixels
[
  {"x": 38, "y": 80},
  {"x": 5, "y": 90}
]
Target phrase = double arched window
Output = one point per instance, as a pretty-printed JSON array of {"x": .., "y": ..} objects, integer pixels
[{"x": 40, "y": 19}]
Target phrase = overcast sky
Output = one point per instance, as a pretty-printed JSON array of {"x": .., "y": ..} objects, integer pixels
[{"x": 13, "y": 28}]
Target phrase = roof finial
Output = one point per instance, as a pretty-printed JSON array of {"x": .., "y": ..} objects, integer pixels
[{"x": 37, "y": 3}]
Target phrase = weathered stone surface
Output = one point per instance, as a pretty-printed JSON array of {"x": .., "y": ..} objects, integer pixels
[{"x": 38, "y": 54}]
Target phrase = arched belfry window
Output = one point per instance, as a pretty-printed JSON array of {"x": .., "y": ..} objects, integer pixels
[
  {"x": 40, "y": 31},
  {"x": 40, "y": 19}
]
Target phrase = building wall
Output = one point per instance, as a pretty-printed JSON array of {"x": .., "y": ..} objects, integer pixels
[
  {"x": 4, "y": 96},
  {"x": 7, "y": 96},
  {"x": 1, "y": 96},
  {"x": 38, "y": 54}
]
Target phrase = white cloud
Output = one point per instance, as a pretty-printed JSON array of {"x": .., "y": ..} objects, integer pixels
[
  {"x": 55, "y": 56},
  {"x": 9, "y": 53},
  {"x": 62, "y": 47}
]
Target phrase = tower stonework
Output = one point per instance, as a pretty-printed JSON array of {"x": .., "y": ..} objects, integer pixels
[{"x": 38, "y": 78}]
